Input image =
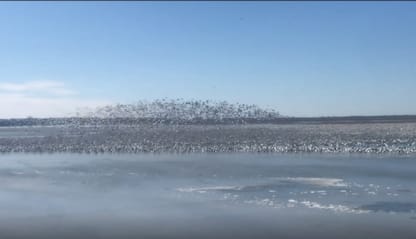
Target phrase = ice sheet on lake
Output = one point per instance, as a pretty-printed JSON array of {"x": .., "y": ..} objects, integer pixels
[
  {"x": 323, "y": 182},
  {"x": 205, "y": 189},
  {"x": 332, "y": 207}
]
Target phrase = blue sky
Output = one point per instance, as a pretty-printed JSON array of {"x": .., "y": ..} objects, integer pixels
[{"x": 301, "y": 58}]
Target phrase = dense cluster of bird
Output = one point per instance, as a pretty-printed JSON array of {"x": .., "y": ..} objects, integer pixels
[
  {"x": 176, "y": 138},
  {"x": 179, "y": 109},
  {"x": 158, "y": 112}
]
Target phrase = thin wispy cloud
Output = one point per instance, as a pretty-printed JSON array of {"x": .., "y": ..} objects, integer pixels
[
  {"x": 44, "y": 87},
  {"x": 42, "y": 99}
]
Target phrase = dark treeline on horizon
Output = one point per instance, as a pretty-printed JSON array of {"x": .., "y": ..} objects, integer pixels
[{"x": 277, "y": 120}]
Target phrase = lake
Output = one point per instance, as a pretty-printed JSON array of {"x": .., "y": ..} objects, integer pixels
[{"x": 218, "y": 195}]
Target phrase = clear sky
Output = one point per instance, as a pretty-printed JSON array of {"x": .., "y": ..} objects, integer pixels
[{"x": 301, "y": 58}]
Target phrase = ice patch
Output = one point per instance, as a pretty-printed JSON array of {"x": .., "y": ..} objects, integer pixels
[
  {"x": 18, "y": 173},
  {"x": 205, "y": 189},
  {"x": 323, "y": 182},
  {"x": 38, "y": 172},
  {"x": 264, "y": 202},
  {"x": 333, "y": 207}
]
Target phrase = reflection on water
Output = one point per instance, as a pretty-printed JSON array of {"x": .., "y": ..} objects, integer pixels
[{"x": 207, "y": 195}]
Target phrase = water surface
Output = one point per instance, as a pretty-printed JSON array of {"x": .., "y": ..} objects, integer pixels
[{"x": 207, "y": 196}]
